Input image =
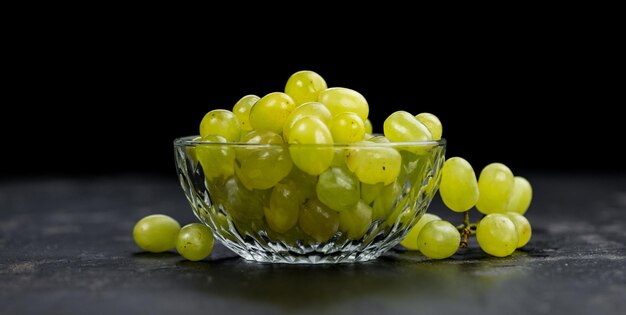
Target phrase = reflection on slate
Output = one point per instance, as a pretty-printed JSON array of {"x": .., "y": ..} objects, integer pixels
[{"x": 66, "y": 247}]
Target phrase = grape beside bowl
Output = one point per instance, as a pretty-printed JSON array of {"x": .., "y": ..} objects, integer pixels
[{"x": 297, "y": 203}]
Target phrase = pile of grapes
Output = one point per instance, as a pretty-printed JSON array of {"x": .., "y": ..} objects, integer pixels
[{"x": 319, "y": 191}]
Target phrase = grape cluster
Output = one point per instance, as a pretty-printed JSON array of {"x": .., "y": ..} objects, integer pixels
[
  {"x": 500, "y": 196},
  {"x": 286, "y": 177}
]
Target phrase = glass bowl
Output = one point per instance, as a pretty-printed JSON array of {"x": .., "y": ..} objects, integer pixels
[{"x": 233, "y": 189}]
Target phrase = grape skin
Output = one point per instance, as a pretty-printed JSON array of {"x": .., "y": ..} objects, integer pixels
[
  {"x": 338, "y": 189},
  {"x": 458, "y": 188},
  {"x": 495, "y": 186},
  {"x": 355, "y": 221},
  {"x": 521, "y": 196},
  {"x": 318, "y": 221},
  {"x": 347, "y": 128},
  {"x": 522, "y": 226},
  {"x": 410, "y": 240},
  {"x": 194, "y": 242},
  {"x": 305, "y": 86},
  {"x": 432, "y": 123},
  {"x": 221, "y": 122},
  {"x": 339, "y": 100},
  {"x": 242, "y": 111},
  {"x": 438, "y": 239},
  {"x": 156, "y": 233},
  {"x": 496, "y": 235},
  {"x": 401, "y": 126},
  {"x": 271, "y": 111},
  {"x": 311, "y": 159}
]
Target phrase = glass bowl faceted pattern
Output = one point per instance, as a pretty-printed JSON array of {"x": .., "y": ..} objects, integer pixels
[{"x": 235, "y": 213}]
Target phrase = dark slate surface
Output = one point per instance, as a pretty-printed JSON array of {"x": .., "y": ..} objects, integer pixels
[{"x": 66, "y": 248}]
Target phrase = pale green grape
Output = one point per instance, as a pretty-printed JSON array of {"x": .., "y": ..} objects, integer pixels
[
  {"x": 495, "y": 186},
  {"x": 339, "y": 100},
  {"x": 368, "y": 127},
  {"x": 242, "y": 111},
  {"x": 263, "y": 168},
  {"x": 218, "y": 161},
  {"x": 432, "y": 123},
  {"x": 270, "y": 112},
  {"x": 369, "y": 192},
  {"x": 318, "y": 221},
  {"x": 338, "y": 189},
  {"x": 458, "y": 188},
  {"x": 221, "y": 122},
  {"x": 522, "y": 226},
  {"x": 305, "y": 86},
  {"x": 401, "y": 126},
  {"x": 410, "y": 240},
  {"x": 386, "y": 201},
  {"x": 156, "y": 233},
  {"x": 257, "y": 137},
  {"x": 521, "y": 196},
  {"x": 347, "y": 128},
  {"x": 438, "y": 239},
  {"x": 312, "y": 159},
  {"x": 373, "y": 164},
  {"x": 496, "y": 235},
  {"x": 240, "y": 202},
  {"x": 355, "y": 221},
  {"x": 305, "y": 183},
  {"x": 194, "y": 242},
  {"x": 339, "y": 160},
  {"x": 284, "y": 207},
  {"x": 307, "y": 109}
]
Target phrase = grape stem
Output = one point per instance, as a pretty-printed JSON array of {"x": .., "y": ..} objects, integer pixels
[{"x": 466, "y": 229}]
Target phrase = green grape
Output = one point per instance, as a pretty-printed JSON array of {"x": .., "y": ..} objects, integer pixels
[
  {"x": 307, "y": 109},
  {"x": 305, "y": 86},
  {"x": 410, "y": 240},
  {"x": 414, "y": 166},
  {"x": 221, "y": 122},
  {"x": 312, "y": 159},
  {"x": 432, "y": 123},
  {"x": 339, "y": 159},
  {"x": 522, "y": 226},
  {"x": 194, "y": 242},
  {"x": 355, "y": 222},
  {"x": 401, "y": 126},
  {"x": 338, "y": 189},
  {"x": 242, "y": 111},
  {"x": 386, "y": 201},
  {"x": 521, "y": 196},
  {"x": 368, "y": 127},
  {"x": 495, "y": 186},
  {"x": 373, "y": 164},
  {"x": 496, "y": 235},
  {"x": 347, "y": 128},
  {"x": 458, "y": 188},
  {"x": 339, "y": 100},
  {"x": 438, "y": 239},
  {"x": 218, "y": 161},
  {"x": 190, "y": 151},
  {"x": 264, "y": 168},
  {"x": 369, "y": 192},
  {"x": 270, "y": 112},
  {"x": 156, "y": 233},
  {"x": 282, "y": 213},
  {"x": 304, "y": 182},
  {"x": 240, "y": 202},
  {"x": 257, "y": 137},
  {"x": 318, "y": 221}
]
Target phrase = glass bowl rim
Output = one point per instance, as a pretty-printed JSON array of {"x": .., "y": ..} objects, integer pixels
[{"x": 189, "y": 141}]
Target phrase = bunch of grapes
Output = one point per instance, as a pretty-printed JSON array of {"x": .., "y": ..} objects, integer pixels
[
  {"x": 500, "y": 196},
  {"x": 312, "y": 190}
]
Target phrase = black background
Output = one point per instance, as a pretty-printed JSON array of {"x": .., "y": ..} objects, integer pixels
[{"x": 111, "y": 101}]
